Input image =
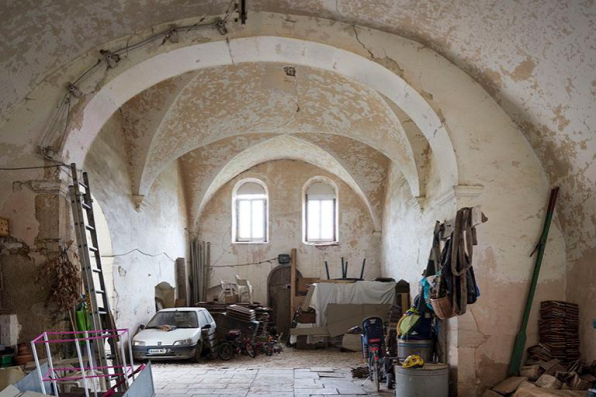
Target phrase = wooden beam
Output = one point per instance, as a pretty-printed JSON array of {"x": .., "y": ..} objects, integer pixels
[{"x": 293, "y": 283}]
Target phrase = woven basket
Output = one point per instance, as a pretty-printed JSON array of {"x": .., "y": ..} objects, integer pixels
[{"x": 443, "y": 307}]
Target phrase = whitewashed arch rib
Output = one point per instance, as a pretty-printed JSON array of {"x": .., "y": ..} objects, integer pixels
[
  {"x": 279, "y": 148},
  {"x": 264, "y": 49}
]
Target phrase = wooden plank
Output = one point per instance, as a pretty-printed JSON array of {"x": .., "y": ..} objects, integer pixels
[
  {"x": 293, "y": 283},
  {"x": 404, "y": 302},
  {"x": 318, "y": 331},
  {"x": 338, "y": 281}
]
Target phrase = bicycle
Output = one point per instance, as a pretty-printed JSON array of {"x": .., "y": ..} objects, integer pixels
[
  {"x": 373, "y": 348},
  {"x": 235, "y": 344},
  {"x": 264, "y": 345}
]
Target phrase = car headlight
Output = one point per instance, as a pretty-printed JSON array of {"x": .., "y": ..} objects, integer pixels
[
  {"x": 138, "y": 343},
  {"x": 183, "y": 342}
]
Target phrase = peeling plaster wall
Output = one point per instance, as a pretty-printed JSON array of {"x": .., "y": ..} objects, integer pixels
[
  {"x": 545, "y": 85},
  {"x": 514, "y": 197},
  {"x": 284, "y": 180},
  {"x": 158, "y": 227},
  {"x": 39, "y": 216}
]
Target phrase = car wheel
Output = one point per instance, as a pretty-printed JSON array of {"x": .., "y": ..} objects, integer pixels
[{"x": 198, "y": 352}]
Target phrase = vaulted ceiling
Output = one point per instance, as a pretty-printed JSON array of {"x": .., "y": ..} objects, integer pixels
[{"x": 535, "y": 57}]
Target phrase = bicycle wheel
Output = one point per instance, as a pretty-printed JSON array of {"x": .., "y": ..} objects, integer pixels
[
  {"x": 375, "y": 375},
  {"x": 250, "y": 350},
  {"x": 225, "y": 351}
]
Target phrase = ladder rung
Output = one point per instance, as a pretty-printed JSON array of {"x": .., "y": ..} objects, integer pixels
[
  {"x": 96, "y": 271},
  {"x": 93, "y": 249},
  {"x": 102, "y": 312},
  {"x": 85, "y": 205},
  {"x": 82, "y": 184},
  {"x": 99, "y": 291},
  {"x": 90, "y": 228}
]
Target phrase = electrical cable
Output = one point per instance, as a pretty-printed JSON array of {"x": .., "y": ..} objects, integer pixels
[
  {"x": 141, "y": 252},
  {"x": 65, "y": 102},
  {"x": 248, "y": 264},
  {"x": 30, "y": 168}
]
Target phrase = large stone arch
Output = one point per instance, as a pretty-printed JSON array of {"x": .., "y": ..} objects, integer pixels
[{"x": 264, "y": 49}]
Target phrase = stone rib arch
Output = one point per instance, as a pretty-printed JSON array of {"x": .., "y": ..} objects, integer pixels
[
  {"x": 265, "y": 49},
  {"x": 259, "y": 97},
  {"x": 282, "y": 148}
]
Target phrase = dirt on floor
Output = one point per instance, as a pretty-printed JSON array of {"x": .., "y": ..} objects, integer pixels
[{"x": 288, "y": 358}]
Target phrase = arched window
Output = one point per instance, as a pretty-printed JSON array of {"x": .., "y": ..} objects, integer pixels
[
  {"x": 250, "y": 212},
  {"x": 320, "y": 212}
]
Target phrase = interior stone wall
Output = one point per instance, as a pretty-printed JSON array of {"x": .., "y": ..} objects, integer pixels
[
  {"x": 159, "y": 227},
  {"x": 284, "y": 180},
  {"x": 479, "y": 343},
  {"x": 38, "y": 212}
]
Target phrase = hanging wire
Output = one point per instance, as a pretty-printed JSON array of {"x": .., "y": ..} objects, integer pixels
[
  {"x": 65, "y": 103},
  {"x": 140, "y": 252},
  {"x": 38, "y": 167},
  {"x": 248, "y": 264}
]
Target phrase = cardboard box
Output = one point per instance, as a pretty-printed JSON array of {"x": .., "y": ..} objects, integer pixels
[
  {"x": 231, "y": 299},
  {"x": 319, "y": 331},
  {"x": 340, "y": 318},
  {"x": 307, "y": 318}
]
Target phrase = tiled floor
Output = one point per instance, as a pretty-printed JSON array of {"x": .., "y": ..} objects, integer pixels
[{"x": 199, "y": 380}]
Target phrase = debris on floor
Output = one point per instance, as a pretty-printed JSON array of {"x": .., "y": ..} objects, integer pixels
[
  {"x": 360, "y": 372},
  {"x": 553, "y": 365}
]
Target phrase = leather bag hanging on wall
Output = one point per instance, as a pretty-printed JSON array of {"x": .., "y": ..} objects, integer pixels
[{"x": 456, "y": 286}]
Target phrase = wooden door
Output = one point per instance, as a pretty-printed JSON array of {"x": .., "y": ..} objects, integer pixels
[{"x": 278, "y": 292}]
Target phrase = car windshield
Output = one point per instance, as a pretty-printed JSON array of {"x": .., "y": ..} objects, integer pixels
[{"x": 174, "y": 319}]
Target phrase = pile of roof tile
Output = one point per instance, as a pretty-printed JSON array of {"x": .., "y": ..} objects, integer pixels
[
  {"x": 241, "y": 313},
  {"x": 558, "y": 329}
]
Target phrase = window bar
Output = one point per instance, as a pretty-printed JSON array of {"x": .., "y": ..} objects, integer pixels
[
  {"x": 306, "y": 219},
  {"x": 335, "y": 220},
  {"x": 265, "y": 220}
]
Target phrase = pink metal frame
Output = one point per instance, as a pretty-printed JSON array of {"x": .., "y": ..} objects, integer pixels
[{"x": 76, "y": 337}]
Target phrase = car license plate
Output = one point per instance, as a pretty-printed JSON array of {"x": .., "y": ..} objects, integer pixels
[{"x": 157, "y": 351}]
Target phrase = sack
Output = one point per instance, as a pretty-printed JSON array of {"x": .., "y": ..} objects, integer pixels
[{"x": 407, "y": 323}]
